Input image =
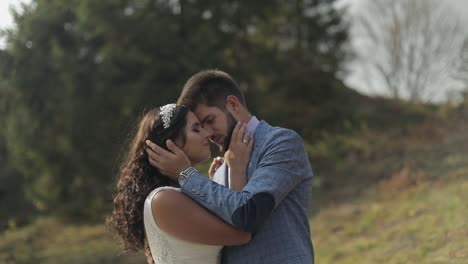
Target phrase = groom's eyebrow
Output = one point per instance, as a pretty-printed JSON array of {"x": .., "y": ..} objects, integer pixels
[{"x": 206, "y": 117}]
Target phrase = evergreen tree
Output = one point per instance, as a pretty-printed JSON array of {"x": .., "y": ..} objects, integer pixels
[{"x": 78, "y": 73}]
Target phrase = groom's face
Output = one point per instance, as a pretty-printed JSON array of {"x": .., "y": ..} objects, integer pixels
[{"x": 219, "y": 123}]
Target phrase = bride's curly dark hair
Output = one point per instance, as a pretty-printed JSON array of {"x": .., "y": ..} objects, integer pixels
[{"x": 137, "y": 178}]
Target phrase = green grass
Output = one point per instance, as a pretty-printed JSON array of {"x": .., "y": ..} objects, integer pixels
[
  {"x": 422, "y": 224},
  {"x": 400, "y": 196},
  {"x": 426, "y": 223},
  {"x": 50, "y": 241}
]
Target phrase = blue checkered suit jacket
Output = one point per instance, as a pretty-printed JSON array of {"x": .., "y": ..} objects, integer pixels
[{"x": 274, "y": 205}]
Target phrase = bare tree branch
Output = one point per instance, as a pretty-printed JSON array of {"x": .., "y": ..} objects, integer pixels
[{"x": 413, "y": 45}]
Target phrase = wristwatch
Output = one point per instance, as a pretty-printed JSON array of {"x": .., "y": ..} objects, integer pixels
[{"x": 185, "y": 174}]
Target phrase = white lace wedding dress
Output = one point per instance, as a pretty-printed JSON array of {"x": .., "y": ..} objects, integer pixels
[{"x": 167, "y": 249}]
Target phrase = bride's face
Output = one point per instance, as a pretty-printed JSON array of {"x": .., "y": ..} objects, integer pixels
[{"x": 196, "y": 145}]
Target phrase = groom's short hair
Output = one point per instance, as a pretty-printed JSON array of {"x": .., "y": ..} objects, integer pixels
[{"x": 210, "y": 87}]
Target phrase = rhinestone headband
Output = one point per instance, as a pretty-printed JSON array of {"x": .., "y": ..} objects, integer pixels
[{"x": 166, "y": 113}]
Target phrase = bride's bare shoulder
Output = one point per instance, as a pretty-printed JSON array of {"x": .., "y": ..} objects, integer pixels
[{"x": 166, "y": 200}]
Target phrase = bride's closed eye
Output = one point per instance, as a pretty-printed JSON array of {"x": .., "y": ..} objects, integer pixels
[{"x": 196, "y": 128}]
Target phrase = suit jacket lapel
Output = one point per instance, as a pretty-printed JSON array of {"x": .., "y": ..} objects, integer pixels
[
  {"x": 226, "y": 175},
  {"x": 259, "y": 135}
]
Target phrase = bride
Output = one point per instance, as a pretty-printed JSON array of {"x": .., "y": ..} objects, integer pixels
[{"x": 149, "y": 208}]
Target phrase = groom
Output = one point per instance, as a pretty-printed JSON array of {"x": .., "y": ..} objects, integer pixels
[{"x": 274, "y": 204}]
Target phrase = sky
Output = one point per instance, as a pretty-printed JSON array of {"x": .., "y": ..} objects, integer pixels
[
  {"x": 354, "y": 80},
  {"x": 360, "y": 80},
  {"x": 461, "y": 5},
  {"x": 5, "y": 17}
]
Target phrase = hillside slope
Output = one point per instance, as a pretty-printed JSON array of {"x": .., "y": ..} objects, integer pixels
[
  {"x": 397, "y": 197},
  {"x": 426, "y": 223},
  {"x": 394, "y": 196}
]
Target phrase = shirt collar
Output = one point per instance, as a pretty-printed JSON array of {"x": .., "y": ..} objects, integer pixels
[{"x": 252, "y": 125}]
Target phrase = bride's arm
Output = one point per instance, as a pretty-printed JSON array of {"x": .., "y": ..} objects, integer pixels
[{"x": 180, "y": 216}]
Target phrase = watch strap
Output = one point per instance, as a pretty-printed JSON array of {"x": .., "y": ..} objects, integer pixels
[{"x": 185, "y": 175}]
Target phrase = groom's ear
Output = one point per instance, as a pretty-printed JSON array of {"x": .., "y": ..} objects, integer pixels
[{"x": 233, "y": 105}]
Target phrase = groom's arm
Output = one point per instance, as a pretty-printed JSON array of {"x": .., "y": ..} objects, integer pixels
[
  {"x": 280, "y": 169},
  {"x": 283, "y": 165}
]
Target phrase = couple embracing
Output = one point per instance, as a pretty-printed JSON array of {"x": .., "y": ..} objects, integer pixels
[{"x": 253, "y": 207}]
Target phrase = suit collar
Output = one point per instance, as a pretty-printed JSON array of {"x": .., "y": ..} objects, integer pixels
[{"x": 260, "y": 133}]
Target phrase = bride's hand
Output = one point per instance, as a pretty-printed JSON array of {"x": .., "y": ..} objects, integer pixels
[
  {"x": 217, "y": 162},
  {"x": 237, "y": 157}
]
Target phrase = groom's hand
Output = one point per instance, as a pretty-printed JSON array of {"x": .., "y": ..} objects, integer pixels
[{"x": 170, "y": 163}]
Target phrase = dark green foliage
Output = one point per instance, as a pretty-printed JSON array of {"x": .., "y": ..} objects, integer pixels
[{"x": 75, "y": 75}]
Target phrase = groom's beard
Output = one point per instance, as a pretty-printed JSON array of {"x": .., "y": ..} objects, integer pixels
[{"x": 231, "y": 124}]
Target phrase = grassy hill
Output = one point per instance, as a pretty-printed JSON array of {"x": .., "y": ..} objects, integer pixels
[
  {"x": 396, "y": 196},
  {"x": 51, "y": 241},
  {"x": 420, "y": 223}
]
